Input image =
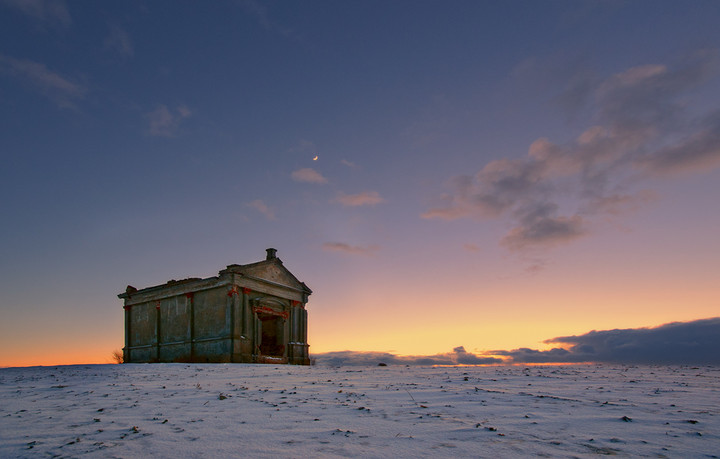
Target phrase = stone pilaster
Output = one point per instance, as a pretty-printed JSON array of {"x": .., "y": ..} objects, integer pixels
[
  {"x": 127, "y": 358},
  {"x": 157, "y": 331}
]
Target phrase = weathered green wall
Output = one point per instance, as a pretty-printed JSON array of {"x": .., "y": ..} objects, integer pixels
[
  {"x": 218, "y": 319},
  {"x": 212, "y": 315}
]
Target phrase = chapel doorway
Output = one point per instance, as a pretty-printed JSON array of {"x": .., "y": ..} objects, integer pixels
[{"x": 271, "y": 338}]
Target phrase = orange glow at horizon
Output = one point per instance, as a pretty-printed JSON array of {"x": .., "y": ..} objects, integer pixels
[
  {"x": 64, "y": 357},
  {"x": 427, "y": 312}
]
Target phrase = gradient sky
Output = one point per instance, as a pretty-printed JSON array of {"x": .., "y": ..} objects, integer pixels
[{"x": 488, "y": 174}]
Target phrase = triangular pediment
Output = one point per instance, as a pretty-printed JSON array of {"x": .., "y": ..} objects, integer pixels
[{"x": 273, "y": 271}]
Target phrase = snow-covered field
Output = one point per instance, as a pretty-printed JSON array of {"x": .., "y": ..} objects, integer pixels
[{"x": 216, "y": 410}]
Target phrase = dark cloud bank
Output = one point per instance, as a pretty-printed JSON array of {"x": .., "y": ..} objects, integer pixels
[
  {"x": 678, "y": 343},
  {"x": 458, "y": 357}
]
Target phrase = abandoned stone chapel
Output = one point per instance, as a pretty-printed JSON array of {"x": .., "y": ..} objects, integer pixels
[{"x": 252, "y": 313}]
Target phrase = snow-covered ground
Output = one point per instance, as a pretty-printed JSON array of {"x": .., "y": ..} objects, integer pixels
[{"x": 216, "y": 410}]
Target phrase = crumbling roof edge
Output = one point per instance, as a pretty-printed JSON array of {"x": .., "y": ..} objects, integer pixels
[{"x": 132, "y": 291}]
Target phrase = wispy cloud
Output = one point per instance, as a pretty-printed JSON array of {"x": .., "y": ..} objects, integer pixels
[
  {"x": 164, "y": 122},
  {"x": 54, "y": 12},
  {"x": 366, "y": 198},
  {"x": 552, "y": 194},
  {"x": 262, "y": 15},
  {"x": 350, "y": 249},
  {"x": 119, "y": 41},
  {"x": 348, "y": 163},
  {"x": 263, "y": 208},
  {"x": 60, "y": 89},
  {"x": 308, "y": 175}
]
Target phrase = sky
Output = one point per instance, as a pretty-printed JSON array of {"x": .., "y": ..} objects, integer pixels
[{"x": 447, "y": 177}]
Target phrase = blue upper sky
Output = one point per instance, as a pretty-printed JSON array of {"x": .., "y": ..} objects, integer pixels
[{"x": 384, "y": 147}]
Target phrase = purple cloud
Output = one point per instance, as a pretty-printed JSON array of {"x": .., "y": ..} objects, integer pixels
[
  {"x": 263, "y": 208},
  {"x": 553, "y": 193},
  {"x": 308, "y": 175},
  {"x": 163, "y": 122},
  {"x": 366, "y": 198},
  {"x": 349, "y": 249}
]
